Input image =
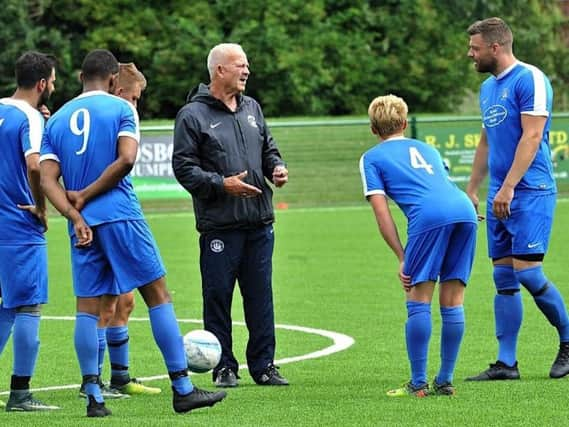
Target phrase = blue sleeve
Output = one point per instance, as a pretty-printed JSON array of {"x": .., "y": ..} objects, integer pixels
[
  {"x": 47, "y": 151},
  {"x": 24, "y": 136},
  {"x": 371, "y": 177},
  {"x": 129, "y": 125}
]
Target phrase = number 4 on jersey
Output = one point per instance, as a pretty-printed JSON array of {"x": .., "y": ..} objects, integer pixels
[{"x": 418, "y": 162}]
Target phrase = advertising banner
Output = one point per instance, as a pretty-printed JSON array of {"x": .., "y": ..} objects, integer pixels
[
  {"x": 455, "y": 137},
  {"x": 152, "y": 175}
]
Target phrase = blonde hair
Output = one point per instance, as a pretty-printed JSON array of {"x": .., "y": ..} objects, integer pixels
[
  {"x": 129, "y": 75},
  {"x": 387, "y": 114},
  {"x": 218, "y": 55}
]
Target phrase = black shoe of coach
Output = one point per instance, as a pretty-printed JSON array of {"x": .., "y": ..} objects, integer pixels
[{"x": 271, "y": 376}]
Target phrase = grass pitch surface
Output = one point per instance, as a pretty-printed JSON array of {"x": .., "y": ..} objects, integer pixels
[{"x": 332, "y": 272}]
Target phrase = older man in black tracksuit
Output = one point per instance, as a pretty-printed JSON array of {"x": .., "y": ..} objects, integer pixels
[{"x": 223, "y": 154}]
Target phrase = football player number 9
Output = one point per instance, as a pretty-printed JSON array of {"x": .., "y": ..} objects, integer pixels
[{"x": 83, "y": 130}]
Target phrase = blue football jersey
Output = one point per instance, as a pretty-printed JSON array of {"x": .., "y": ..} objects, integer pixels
[
  {"x": 521, "y": 89},
  {"x": 83, "y": 137},
  {"x": 21, "y": 128},
  {"x": 413, "y": 175}
]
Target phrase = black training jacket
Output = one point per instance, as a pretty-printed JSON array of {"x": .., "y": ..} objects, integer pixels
[{"x": 212, "y": 142}]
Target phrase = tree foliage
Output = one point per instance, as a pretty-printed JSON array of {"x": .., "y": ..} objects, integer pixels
[{"x": 316, "y": 57}]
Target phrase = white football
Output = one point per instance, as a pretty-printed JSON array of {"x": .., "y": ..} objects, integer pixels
[{"x": 203, "y": 350}]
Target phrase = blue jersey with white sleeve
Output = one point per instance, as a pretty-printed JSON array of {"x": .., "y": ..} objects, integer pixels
[
  {"x": 520, "y": 89},
  {"x": 413, "y": 175},
  {"x": 21, "y": 128},
  {"x": 83, "y": 137}
]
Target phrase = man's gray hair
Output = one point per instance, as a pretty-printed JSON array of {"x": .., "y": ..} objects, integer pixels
[{"x": 218, "y": 54}]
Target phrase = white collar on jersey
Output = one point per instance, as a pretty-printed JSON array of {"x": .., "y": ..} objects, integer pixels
[
  {"x": 506, "y": 71},
  {"x": 391, "y": 138},
  {"x": 93, "y": 93},
  {"x": 17, "y": 102}
]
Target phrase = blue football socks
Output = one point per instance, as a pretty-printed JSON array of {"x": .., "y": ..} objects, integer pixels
[
  {"x": 87, "y": 343},
  {"x": 102, "y": 341},
  {"x": 508, "y": 313},
  {"x": 118, "y": 342},
  {"x": 26, "y": 343},
  {"x": 7, "y": 317},
  {"x": 417, "y": 334},
  {"x": 547, "y": 298},
  {"x": 451, "y": 336},
  {"x": 167, "y": 335},
  {"x": 93, "y": 389},
  {"x": 87, "y": 349}
]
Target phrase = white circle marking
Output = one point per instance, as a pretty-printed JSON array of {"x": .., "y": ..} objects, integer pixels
[{"x": 340, "y": 342}]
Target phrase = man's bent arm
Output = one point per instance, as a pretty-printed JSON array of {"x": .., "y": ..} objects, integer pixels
[
  {"x": 479, "y": 165},
  {"x": 33, "y": 167},
  {"x": 386, "y": 225},
  {"x": 526, "y": 150},
  {"x": 187, "y": 164},
  {"x": 112, "y": 175}
]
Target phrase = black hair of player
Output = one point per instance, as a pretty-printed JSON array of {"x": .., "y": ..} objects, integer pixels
[
  {"x": 31, "y": 67},
  {"x": 99, "y": 64}
]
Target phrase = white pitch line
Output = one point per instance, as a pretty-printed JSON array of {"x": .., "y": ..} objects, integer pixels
[{"x": 340, "y": 343}]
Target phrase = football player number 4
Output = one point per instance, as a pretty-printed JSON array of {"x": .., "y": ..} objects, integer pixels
[
  {"x": 81, "y": 130},
  {"x": 418, "y": 161}
]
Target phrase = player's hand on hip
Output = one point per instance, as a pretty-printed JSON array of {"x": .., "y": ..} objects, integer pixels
[
  {"x": 235, "y": 186},
  {"x": 404, "y": 278},
  {"x": 501, "y": 203},
  {"x": 280, "y": 176},
  {"x": 41, "y": 215}
]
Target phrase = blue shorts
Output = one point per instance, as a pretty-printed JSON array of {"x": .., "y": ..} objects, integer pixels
[
  {"x": 526, "y": 231},
  {"x": 444, "y": 253},
  {"x": 122, "y": 257},
  {"x": 23, "y": 275}
]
